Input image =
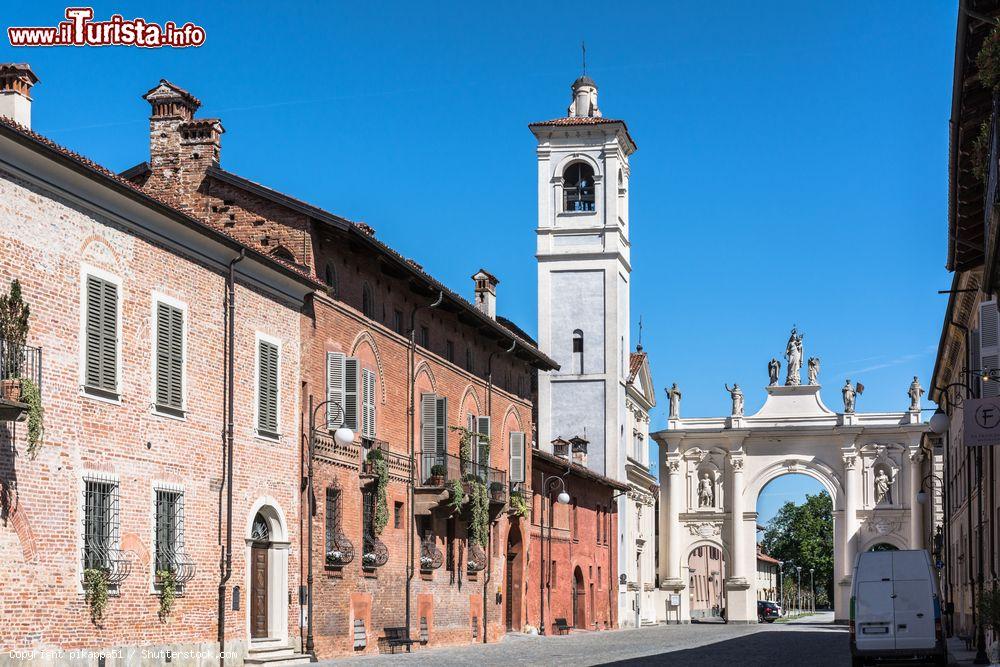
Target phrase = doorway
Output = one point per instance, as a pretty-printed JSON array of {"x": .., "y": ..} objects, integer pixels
[
  {"x": 258, "y": 578},
  {"x": 579, "y": 600},
  {"x": 512, "y": 580}
]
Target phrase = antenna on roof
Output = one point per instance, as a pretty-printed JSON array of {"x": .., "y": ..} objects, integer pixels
[{"x": 583, "y": 47}]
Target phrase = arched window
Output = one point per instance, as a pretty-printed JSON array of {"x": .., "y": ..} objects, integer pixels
[
  {"x": 330, "y": 279},
  {"x": 368, "y": 301},
  {"x": 578, "y": 351},
  {"x": 578, "y": 187}
]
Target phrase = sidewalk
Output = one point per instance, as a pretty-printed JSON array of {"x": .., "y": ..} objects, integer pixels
[{"x": 958, "y": 654}]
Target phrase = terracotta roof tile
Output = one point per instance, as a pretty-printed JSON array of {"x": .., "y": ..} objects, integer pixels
[{"x": 634, "y": 364}]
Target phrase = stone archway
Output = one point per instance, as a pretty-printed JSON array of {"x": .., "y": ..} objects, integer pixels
[
  {"x": 514, "y": 579},
  {"x": 266, "y": 580}
]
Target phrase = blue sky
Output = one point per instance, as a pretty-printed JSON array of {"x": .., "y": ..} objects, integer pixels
[{"x": 791, "y": 165}]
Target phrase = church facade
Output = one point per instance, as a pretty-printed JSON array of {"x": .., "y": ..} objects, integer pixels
[
  {"x": 584, "y": 270},
  {"x": 713, "y": 469}
]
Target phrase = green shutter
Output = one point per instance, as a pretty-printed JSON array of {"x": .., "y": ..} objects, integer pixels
[
  {"x": 101, "y": 346},
  {"x": 267, "y": 391},
  {"x": 351, "y": 394},
  {"x": 169, "y": 356}
]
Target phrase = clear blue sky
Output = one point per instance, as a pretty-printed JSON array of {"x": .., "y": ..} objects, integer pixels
[{"x": 791, "y": 164}]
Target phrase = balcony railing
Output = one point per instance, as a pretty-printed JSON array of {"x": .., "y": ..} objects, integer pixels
[
  {"x": 399, "y": 464},
  {"x": 375, "y": 553},
  {"x": 439, "y": 468},
  {"x": 20, "y": 361},
  {"x": 115, "y": 564},
  {"x": 340, "y": 550},
  {"x": 182, "y": 567}
]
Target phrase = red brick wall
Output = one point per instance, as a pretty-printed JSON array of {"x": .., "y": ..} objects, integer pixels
[
  {"x": 45, "y": 239},
  {"x": 584, "y": 546}
]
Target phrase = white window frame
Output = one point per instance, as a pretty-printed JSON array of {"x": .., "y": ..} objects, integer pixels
[
  {"x": 156, "y": 298},
  {"x": 81, "y": 524},
  {"x": 258, "y": 337},
  {"x": 159, "y": 485},
  {"x": 90, "y": 270}
]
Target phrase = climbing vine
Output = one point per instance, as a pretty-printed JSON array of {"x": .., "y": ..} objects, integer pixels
[
  {"x": 466, "y": 438},
  {"x": 981, "y": 153},
  {"x": 33, "y": 397},
  {"x": 479, "y": 523},
  {"x": 381, "y": 467},
  {"x": 518, "y": 505},
  {"x": 988, "y": 60},
  {"x": 95, "y": 585},
  {"x": 456, "y": 493},
  {"x": 168, "y": 591}
]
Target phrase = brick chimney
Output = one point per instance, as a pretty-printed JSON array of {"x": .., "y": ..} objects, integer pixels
[
  {"x": 16, "y": 80},
  {"x": 579, "y": 446},
  {"x": 181, "y": 147},
  {"x": 486, "y": 292},
  {"x": 560, "y": 448}
]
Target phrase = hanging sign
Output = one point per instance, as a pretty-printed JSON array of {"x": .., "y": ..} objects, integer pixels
[{"x": 981, "y": 422}]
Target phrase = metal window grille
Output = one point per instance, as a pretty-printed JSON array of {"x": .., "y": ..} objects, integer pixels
[
  {"x": 100, "y": 523},
  {"x": 169, "y": 528},
  {"x": 339, "y": 549}
]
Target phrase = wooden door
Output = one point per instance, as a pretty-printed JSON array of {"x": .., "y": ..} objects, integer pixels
[
  {"x": 579, "y": 601},
  {"x": 510, "y": 591},
  {"x": 258, "y": 592}
]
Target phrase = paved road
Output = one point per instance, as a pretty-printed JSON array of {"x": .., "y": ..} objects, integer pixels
[{"x": 814, "y": 641}]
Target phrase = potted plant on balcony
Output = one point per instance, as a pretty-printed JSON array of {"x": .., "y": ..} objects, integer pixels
[
  {"x": 438, "y": 472},
  {"x": 497, "y": 491},
  {"x": 14, "y": 314}
]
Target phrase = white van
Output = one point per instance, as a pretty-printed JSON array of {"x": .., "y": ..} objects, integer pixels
[{"x": 895, "y": 612}]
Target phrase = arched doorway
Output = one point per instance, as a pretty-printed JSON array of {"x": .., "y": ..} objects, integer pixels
[
  {"x": 706, "y": 567},
  {"x": 883, "y": 546},
  {"x": 579, "y": 600},
  {"x": 513, "y": 580},
  {"x": 266, "y": 583}
]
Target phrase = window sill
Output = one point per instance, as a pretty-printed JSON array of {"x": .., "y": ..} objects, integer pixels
[
  {"x": 102, "y": 395},
  {"x": 267, "y": 436},
  {"x": 169, "y": 413}
]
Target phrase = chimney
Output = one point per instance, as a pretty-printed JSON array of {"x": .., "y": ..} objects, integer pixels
[
  {"x": 486, "y": 292},
  {"x": 560, "y": 448},
  {"x": 16, "y": 80},
  {"x": 181, "y": 147},
  {"x": 579, "y": 450}
]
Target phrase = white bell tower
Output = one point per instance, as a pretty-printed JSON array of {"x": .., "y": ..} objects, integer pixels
[{"x": 583, "y": 278}]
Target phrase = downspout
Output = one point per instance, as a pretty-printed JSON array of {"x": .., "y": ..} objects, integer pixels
[
  {"x": 226, "y": 556},
  {"x": 489, "y": 546},
  {"x": 412, "y": 445}
]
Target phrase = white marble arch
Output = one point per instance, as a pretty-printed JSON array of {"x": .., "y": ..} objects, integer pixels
[
  {"x": 277, "y": 567},
  {"x": 793, "y": 432}
]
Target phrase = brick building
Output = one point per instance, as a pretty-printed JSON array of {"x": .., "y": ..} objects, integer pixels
[
  {"x": 405, "y": 363},
  {"x": 572, "y": 563},
  {"x": 128, "y": 343}
]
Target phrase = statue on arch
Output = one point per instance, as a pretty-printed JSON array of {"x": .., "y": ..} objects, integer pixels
[
  {"x": 813, "y": 370},
  {"x": 915, "y": 392},
  {"x": 674, "y": 394},
  {"x": 793, "y": 353},
  {"x": 773, "y": 369},
  {"x": 737, "y": 395},
  {"x": 849, "y": 395},
  {"x": 706, "y": 491}
]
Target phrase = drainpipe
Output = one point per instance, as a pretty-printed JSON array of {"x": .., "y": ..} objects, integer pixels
[
  {"x": 489, "y": 546},
  {"x": 226, "y": 555},
  {"x": 412, "y": 443}
]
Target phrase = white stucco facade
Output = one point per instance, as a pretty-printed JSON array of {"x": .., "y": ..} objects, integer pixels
[{"x": 794, "y": 432}]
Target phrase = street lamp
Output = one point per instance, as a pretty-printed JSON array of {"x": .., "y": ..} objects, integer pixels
[
  {"x": 781, "y": 601},
  {"x": 549, "y": 484},
  {"x": 798, "y": 588},
  {"x": 812, "y": 589},
  {"x": 342, "y": 436}
]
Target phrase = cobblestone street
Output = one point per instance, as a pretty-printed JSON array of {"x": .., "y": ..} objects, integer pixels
[{"x": 815, "y": 641}]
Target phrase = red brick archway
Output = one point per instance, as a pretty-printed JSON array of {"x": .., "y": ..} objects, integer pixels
[
  {"x": 513, "y": 579},
  {"x": 579, "y": 600}
]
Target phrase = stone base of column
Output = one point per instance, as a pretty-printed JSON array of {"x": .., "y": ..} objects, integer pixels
[{"x": 741, "y": 601}]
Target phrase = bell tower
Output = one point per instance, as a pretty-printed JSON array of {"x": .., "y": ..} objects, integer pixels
[{"x": 583, "y": 278}]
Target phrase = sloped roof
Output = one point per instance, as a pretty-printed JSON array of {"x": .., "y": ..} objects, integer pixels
[{"x": 635, "y": 360}]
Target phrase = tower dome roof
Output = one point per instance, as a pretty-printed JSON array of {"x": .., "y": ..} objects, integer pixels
[{"x": 584, "y": 81}]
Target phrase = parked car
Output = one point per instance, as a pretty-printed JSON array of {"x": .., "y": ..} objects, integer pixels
[
  {"x": 895, "y": 611},
  {"x": 767, "y": 611}
]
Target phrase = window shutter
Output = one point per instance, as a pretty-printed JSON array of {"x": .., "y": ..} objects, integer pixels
[
  {"x": 101, "y": 353},
  {"x": 351, "y": 393},
  {"x": 267, "y": 394},
  {"x": 975, "y": 363},
  {"x": 428, "y": 423},
  {"x": 169, "y": 356},
  {"x": 334, "y": 389},
  {"x": 483, "y": 426},
  {"x": 989, "y": 345},
  {"x": 367, "y": 403},
  {"x": 516, "y": 456},
  {"x": 441, "y": 425}
]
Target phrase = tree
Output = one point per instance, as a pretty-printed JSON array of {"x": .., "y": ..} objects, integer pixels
[{"x": 802, "y": 535}]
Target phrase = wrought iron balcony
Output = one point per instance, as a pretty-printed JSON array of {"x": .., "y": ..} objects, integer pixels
[
  {"x": 437, "y": 469},
  {"x": 115, "y": 563},
  {"x": 398, "y": 464},
  {"x": 431, "y": 557},
  {"x": 375, "y": 553},
  {"x": 339, "y": 550},
  {"x": 182, "y": 567}
]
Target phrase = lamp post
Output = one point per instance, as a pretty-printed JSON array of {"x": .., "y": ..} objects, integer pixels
[
  {"x": 781, "y": 576},
  {"x": 549, "y": 485},
  {"x": 343, "y": 436},
  {"x": 798, "y": 588},
  {"x": 940, "y": 424},
  {"x": 812, "y": 590}
]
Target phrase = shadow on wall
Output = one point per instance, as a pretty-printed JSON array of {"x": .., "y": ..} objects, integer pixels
[{"x": 819, "y": 646}]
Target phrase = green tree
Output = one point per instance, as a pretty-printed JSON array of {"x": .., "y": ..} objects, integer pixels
[{"x": 802, "y": 535}]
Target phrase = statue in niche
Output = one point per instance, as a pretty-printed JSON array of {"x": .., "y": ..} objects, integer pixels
[
  {"x": 849, "y": 394},
  {"x": 793, "y": 353},
  {"x": 737, "y": 395},
  {"x": 883, "y": 488},
  {"x": 813, "y": 370},
  {"x": 915, "y": 392},
  {"x": 706, "y": 491},
  {"x": 674, "y": 394},
  {"x": 773, "y": 369}
]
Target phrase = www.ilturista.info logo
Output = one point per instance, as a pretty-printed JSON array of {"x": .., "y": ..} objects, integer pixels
[{"x": 79, "y": 29}]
